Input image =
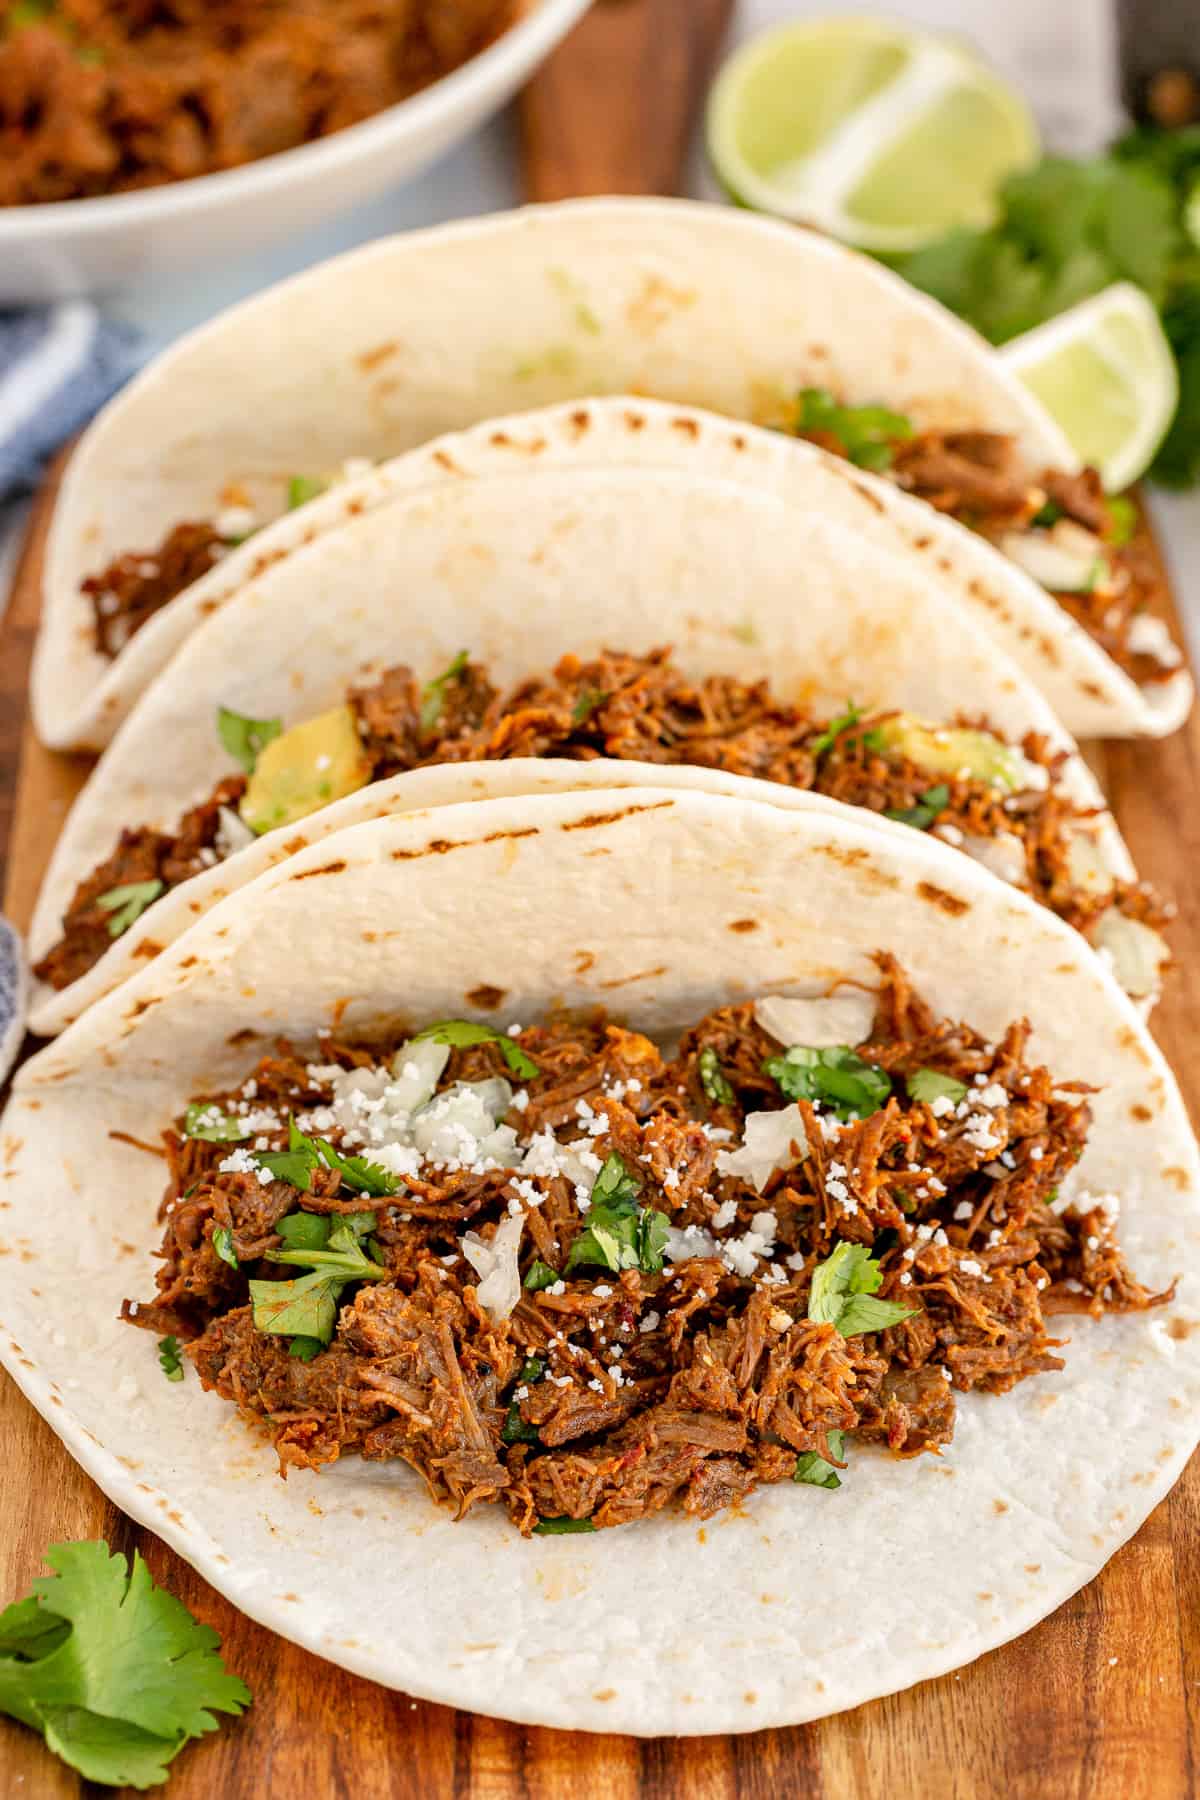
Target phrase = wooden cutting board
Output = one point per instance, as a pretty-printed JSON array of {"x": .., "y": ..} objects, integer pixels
[{"x": 1100, "y": 1702}]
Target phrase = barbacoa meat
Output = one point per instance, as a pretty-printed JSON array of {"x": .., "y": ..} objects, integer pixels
[
  {"x": 127, "y": 594},
  {"x": 644, "y": 708},
  {"x": 104, "y": 96},
  {"x": 607, "y": 1393}
]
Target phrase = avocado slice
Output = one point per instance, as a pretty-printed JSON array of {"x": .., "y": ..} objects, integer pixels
[
  {"x": 306, "y": 768},
  {"x": 951, "y": 750}
]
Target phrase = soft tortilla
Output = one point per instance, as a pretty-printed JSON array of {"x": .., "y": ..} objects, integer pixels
[
  {"x": 804, "y": 1602},
  {"x": 522, "y": 566}
]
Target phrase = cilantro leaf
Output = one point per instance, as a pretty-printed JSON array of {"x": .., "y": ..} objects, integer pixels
[
  {"x": 294, "y": 1165},
  {"x": 933, "y": 802},
  {"x": 811, "y": 1467},
  {"x": 539, "y": 1275},
  {"x": 169, "y": 1359},
  {"x": 433, "y": 695},
  {"x": 127, "y": 903},
  {"x": 306, "y": 1307},
  {"x": 586, "y": 703},
  {"x": 620, "y": 1234},
  {"x": 837, "y": 1076},
  {"x": 358, "y": 1172},
  {"x": 562, "y": 1527},
  {"x": 304, "y": 1154},
  {"x": 304, "y": 1230},
  {"x": 842, "y": 1293},
  {"x": 833, "y": 731},
  {"x": 245, "y": 739},
  {"x": 113, "y": 1671},
  {"x": 867, "y": 434},
  {"x": 460, "y": 1034},
  {"x": 305, "y": 1348},
  {"x": 712, "y": 1080},
  {"x": 205, "y": 1121},
  {"x": 928, "y": 1085},
  {"x": 303, "y": 488},
  {"x": 222, "y": 1243}
]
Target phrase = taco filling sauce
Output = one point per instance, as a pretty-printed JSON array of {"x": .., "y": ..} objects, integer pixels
[
  {"x": 545, "y": 1266},
  {"x": 995, "y": 801}
]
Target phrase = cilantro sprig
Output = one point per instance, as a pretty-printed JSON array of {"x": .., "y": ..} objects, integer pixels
[
  {"x": 244, "y": 738},
  {"x": 812, "y": 1468},
  {"x": 303, "y": 488},
  {"x": 563, "y": 1527},
  {"x": 843, "y": 1293},
  {"x": 867, "y": 434},
  {"x": 460, "y": 1034},
  {"x": 433, "y": 694},
  {"x": 836, "y": 1076},
  {"x": 113, "y": 1671},
  {"x": 620, "y": 1234},
  {"x": 205, "y": 1121},
  {"x": 304, "y": 1155},
  {"x": 126, "y": 904},
  {"x": 930, "y": 806},
  {"x": 169, "y": 1359},
  {"x": 928, "y": 1085},
  {"x": 331, "y": 1249}
]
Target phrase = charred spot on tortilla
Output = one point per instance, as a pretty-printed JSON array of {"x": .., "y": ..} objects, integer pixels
[
  {"x": 591, "y": 820},
  {"x": 949, "y": 903},
  {"x": 486, "y": 997},
  {"x": 743, "y": 925},
  {"x": 741, "y": 1224},
  {"x": 379, "y": 353},
  {"x": 333, "y": 868}
]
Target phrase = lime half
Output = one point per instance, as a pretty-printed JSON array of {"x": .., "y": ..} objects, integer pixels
[
  {"x": 1105, "y": 371},
  {"x": 881, "y": 135}
]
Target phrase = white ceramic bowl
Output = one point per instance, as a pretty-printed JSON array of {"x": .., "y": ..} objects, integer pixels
[{"x": 85, "y": 246}]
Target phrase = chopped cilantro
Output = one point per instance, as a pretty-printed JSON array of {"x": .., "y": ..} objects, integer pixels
[
  {"x": 933, "y": 802},
  {"x": 306, "y": 1307},
  {"x": 203, "y": 1120},
  {"x": 305, "y": 1348},
  {"x": 1047, "y": 515},
  {"x": 222, "y": 1243},
  {"x": 812, "y": 1467},
  {"x": 433, "y": 695},
  {"x": 460, "y": 1034},
  {"x": 620, "y": 1234},
  {"x": 245, "y": 739},
  {"x": 833, "y": 731},
  {"x": 712, "y": 1079},
  {"x": 303, "y": 488},
  {"x": 331, "y": 1248},
  {"x": 169, "y": 1358},
  {"x": 304, "y": 1154},
  {"x": 304, "y": 1230},
  {"x": 589, "y": 699},
  {"x": 837, "y": 1076},
  {"x": 929, "y": 1085},
  {"x": 515, "y": 1430},
  {"x": 561, "y": 1527},
  {"x": 867, "y": 434},
  {"x": 540, "y": 1275},
  {"x": 127, "y": 903},
  {"x": 113, "y": 1671},
  {"x": 1122, "y": 520},
  {"x": 842, "y": 1293}
]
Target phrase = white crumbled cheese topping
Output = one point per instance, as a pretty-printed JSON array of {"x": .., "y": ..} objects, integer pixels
[
  {"x": 520, "y": 1100},
  {"x": 725, "y": 1214},
  {"x": 964, "y": 1210},
  {"x": 979, "y": 1133},
  {"x": 1036, "y": 1153},
  {"x": 969, "y": 1266},
  {"x": 603, "y": 1292},
  {"x": 235, "y": 522},
  {"x": 241, "y": 1162},
  {"x": 649, "y": 1322},
  {"x": 557, "y": 1287},
  {"x": 992, "y": 1096},
  {"x": 941, "y": 1106},
  {"x": 796, "y": 1260}
]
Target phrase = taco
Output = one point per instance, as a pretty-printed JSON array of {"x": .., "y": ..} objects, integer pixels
[
  {"x": 162, "y": 507},
  {"x": 618, "y": 1164},
  {"x": 703, "y": 622}
]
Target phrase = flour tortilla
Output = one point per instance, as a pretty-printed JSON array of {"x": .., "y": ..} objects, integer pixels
[
  {"x": 799, "y": 1604},
  {"x": 378, "y": 351},
  {"x": 521, "y": 566}
]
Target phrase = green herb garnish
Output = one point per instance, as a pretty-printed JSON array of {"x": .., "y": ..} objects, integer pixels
[
  {"x": 303, "y": 488},
  {"x": 460, "y": 1034},
  {"x": 245, "y": 739},
  {"x": 928, "y": 1085},
  {"x": 867, "y": 434},
  {"x": 205, "y": 1121},
  {"x": 589, "y": 699},
  {"x": 222, "y": 1243},
  {"x": 833, "y": 731},
  {"x": 843, "y": 1289},
  {"x": 307, "y": 1307},
  {"x": 1122, "y": 520},
  {"x": 169, "y": 1359},
  {"x": 932, "y": 803},
  {"x": 712, "y": 1080},
  {"x": 304, "y": 1154},
  {"x": 620, "y": 1234},
  {"x": 113, "y": 1672},
  {"x": 433, "y": 695},
  {"x": 812, "y": 1467},
  {"x": 305, "y": 1348},
  {"x": 837, "y": 1076},
  {"x": 515, "y": 1430},
  {"x": 561, "y": 1527},
  {"x": 127, "y": 903},
  {"x": 540, "y": 1275}
]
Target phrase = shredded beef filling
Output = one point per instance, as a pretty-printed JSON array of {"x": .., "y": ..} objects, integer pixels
[
  {"x": 977, "y": 477},
  {"x": 607, "y": 1393},
  {"x": 104, "y": 96},
  {"x": 643, "y": 708},
  {"x": 133, "y": 588}
]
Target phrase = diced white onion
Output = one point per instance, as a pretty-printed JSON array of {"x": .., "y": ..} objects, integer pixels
[
  {"x": 1002, "y": 856},
  {"x": 1066, "y": 559},
  {"x": 819, "y": 1021},
  {"x": 233, "y": 833},
  {"x": 1136, "y": 953},
  {"x": 766, "y": 1146},
  {"x": 496, "y": 1264}
]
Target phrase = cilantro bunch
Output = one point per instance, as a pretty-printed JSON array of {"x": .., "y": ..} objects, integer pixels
[
  {"x": 1068, "y": 229},
  {"x": 113, "y": 1672}
]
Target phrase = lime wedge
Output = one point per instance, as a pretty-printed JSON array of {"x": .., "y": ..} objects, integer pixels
[
  {"x": 882, "y": 135},
  {"x": 1106, "y": 373}
]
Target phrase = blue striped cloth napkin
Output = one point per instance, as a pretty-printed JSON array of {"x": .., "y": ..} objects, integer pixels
[{"x": 58, "y": 366}]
